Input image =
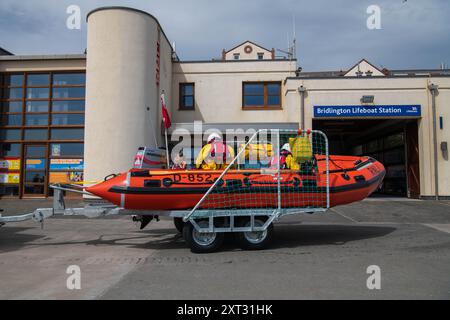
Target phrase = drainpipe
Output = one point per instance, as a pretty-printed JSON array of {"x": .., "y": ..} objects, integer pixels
[
  {"x": 302, "y": 91},
  {"x": 434, "y": 90}
]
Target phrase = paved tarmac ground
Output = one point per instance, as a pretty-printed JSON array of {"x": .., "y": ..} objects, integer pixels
[{"x": 321, "y": 256}]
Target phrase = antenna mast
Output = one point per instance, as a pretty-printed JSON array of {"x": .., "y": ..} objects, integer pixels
[{"x": 294, "y": 45}]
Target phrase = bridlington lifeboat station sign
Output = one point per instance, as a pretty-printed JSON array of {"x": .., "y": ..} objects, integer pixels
[{"x": 367, "y": 111}]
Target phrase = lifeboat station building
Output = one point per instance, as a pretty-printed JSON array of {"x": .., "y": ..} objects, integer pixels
[{"x": 67, "y": 118}]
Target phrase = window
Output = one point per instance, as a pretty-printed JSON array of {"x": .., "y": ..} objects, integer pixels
[
  {"x": 36, "y": 120},
  {"x": 67, "y": 134},
  {"x": 38, "y": 80},
  {"x": 38, "y": 93},
  {"x": 36, "y": 106},
  {"x": 36, "y": 134},
  {"x": 187, "y": 100},
  {"x": 36, "y": 151},
  {"x": 236, "y": 56},
  {"x": 68, "y": 92},
  {"x": 12, "y": 106},
  {"x": 67, "y": 119},
  {"x": 11, "y": 120},
  {"x": 261, "y": 95},
  {"x": 67, "y": 149},
  {"x": 260, "y": 55},
  {"x": 47, "y": 109},
  {"x": 10, "y": 134},
  {"x": 10, "y": 150},
  {"x": 13, "y": 93},
  {"x": 69, "y": 79},
  {"x": 14, "y": 80},
  {"x": 68, "y": 106}
]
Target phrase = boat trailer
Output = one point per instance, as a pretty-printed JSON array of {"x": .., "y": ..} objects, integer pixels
[{"x": 203, "y": 227}]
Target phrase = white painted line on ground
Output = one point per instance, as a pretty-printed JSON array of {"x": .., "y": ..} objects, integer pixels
[
  {"x": 439, "y": 226},
  {"x": 343, "y": 215},
  {"x": 396, "y": 199},
  {"x": 445, "y": 203}
]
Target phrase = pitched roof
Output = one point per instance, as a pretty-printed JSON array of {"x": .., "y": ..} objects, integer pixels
[
  {"x": 247, "y": 41},
  {"x": 4, "y": 52},
  {"x": 366, "y": 61}
]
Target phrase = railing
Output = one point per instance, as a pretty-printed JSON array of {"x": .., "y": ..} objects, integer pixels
[{"x": 321, "y": 148}]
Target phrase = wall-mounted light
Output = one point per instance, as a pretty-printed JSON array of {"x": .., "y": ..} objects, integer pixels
[{"x": 367, "y": 99}]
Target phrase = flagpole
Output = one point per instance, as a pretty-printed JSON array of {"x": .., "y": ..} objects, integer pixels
[
  {"x": 165, "y": 130},
  {"x": 167, "y": 149}
]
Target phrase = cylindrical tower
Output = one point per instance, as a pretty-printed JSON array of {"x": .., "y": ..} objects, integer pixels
[{"x": 122, "y": 93}]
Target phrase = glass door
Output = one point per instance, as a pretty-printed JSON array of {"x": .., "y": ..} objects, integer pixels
[{"x": 35, "y": 170}]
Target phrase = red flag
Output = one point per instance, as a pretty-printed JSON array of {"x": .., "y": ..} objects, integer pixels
[{"x": 165, "y": 114}]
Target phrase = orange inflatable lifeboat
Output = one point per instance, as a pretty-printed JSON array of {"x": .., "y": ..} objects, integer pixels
[{"x": 350, "y": 179}]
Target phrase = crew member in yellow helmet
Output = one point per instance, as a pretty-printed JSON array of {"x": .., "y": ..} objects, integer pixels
[
  {"x": 286, "y": 159},
  {"x": 215, "y": 155}
]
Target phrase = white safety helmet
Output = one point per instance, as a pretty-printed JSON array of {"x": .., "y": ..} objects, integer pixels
[
  {"x": 213, "y": 136},
  {"x": 286, "y": 147}
]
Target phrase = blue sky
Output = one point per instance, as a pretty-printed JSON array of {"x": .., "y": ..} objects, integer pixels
[{"x": 331, "y": 34}]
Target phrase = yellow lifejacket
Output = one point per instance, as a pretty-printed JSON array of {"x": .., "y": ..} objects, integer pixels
[
  {"x": 256, "y": 151},
  {"x": 206, "y": 162}
]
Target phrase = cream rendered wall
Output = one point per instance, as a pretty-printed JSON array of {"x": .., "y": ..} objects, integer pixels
[
  {"x": 42, "y": 65},
  {"x": 166, "y": 76},
  {"x": 248, "y": 56},
  {"x": 218, "y": 90},
  {"x": 120, "y": 88},
  {"x": 443, "y": 109},
  {"x": 345, "y": 91}
]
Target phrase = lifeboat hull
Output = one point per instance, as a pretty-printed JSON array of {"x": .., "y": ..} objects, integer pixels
[{"x": 350, "y": 179}]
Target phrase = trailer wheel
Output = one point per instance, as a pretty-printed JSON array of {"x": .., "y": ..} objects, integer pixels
[
  {"x": 178, "y": 222},
  {"x": 202, "y": 242},
  {"x": 256, "y": 240}
]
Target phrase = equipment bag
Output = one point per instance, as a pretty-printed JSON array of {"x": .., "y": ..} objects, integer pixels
[{"x": 301, "y": 149}]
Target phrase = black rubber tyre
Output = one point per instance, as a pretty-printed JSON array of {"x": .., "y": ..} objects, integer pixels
[
  {"x": 255, "y": 240},
  {"x": 211, "y": 243},
  {"x": 178, "y": 222}
]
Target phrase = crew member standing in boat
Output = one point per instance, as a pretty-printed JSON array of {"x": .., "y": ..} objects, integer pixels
[
  {"x": 215, "y": 155},
  {"x": 286, "y": 159}
]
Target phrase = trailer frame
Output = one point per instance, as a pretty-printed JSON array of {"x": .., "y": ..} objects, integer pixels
[{"x": 218, "y": 220}]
